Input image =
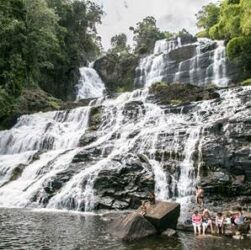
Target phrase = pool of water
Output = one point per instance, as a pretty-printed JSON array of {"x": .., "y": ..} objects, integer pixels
[{"x": 29, "y": 229}]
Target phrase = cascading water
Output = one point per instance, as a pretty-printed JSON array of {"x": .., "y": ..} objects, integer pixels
[
  {"x": 55, "y": 159},
  {"x": 200, "y": 63},
  {"x": 90, "y": 84},
  {"x": 36, "y": 148}
]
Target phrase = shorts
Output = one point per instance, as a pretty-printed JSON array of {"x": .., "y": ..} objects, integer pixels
[{"x": 205, "y": 224}]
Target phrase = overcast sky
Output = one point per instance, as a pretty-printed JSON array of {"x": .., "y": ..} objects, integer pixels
[{"x": 171, "y": 15}]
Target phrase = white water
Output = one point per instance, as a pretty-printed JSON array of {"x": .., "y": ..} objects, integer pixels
[
  {"x": 42, "y": 131},
  {"x": 43, "y": 145},
  {"x": 90, "y": 84},
  {"x": 204, "y": 67}
]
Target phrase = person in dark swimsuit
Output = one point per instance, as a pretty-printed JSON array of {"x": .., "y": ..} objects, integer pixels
[
  {"x": 152, "y": 198},
  {"x": 200, "y": 195}
]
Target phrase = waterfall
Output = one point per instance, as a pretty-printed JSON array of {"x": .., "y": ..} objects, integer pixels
[
  {"x": 187, "y": 175},
  {"x": 90, "y": 84},
  {"x": 56, "y": 160},
  {"x": 131, "y": 126},
  {"x": 45, "y": 131},
  {"x": 200, "y": 63},
  {"x": 219, "y": 65},
  {"x": 37, "y": 148}
]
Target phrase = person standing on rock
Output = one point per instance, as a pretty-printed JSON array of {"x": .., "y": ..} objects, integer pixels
[
  {"x": 197, "y": 220},
  {"x": 200, "y": 195},
  {"x": 152, "y": 198}
]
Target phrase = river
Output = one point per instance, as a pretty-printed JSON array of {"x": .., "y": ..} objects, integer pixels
[{"x": 42, "y": 229}]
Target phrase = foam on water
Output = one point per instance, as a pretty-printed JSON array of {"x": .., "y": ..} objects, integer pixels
[{"x": 41, "y": 147}]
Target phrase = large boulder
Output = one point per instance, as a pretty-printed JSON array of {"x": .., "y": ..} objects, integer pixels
[
  {"x": 163, "y": 215},
  {"x": 158, "y": 218},
  {"x": 117, "y": 71},
  {"x": 132, "y": 227}
]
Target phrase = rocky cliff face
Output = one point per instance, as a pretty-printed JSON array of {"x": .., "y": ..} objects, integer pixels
[
  {"x": 186, "y": 60},
  {"x": 216, "y": 154},
  {"x": 198, "y": 62},
  {"x": 166, "y": 138},
  {"x": 110, "y": 155},
  {"x": 117, "y": 71}
]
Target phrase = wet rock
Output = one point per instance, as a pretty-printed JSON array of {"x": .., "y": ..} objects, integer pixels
[
  {"x": 243, "y": 229},
  {"x": 169, "y": 232},
  {"x": 117, "y": 71},
  {"x": 88, "y": 138},
  {"x": 185, "y": 227},
  {"x": 95, "y": 117},
  {"x": 163, "y": 215},
  {"x": 133, "y": 110},
  {"x": 133, "y": 227},
  {"x": 126, "y": 182},
  {"x": 228, "y": 232},
  {"x": 238, "y": 237},
  {"x": 106, "y": 203},
  {"x": 248, "y": 236},
  {"x": 178, "y": 94},
  {"x": 120, "y": 205},
  {"x": 183, "y": 53}
]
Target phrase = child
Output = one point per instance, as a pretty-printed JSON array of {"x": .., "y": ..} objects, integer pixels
[
  {"x": 196, "y": 220},
  {"x": 219, "y": 223},
  {"x": 206, "y": 221}
]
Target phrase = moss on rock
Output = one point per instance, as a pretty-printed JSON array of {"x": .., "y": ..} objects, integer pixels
[
  {"x": 117, "y": 71},
  {"x": 177, "y": 94},
  {"x": 247, "y": 82},
  {"x": 30, "y": 101},
  {"x": 95, "y": 117}
]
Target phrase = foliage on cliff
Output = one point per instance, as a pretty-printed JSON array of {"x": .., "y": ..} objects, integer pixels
[
  {"x": 146, "y": 33},
  {"x": 43, "y": 43},
  {"x": 117, "y": 70},
  {"x": 231, "y": 21}
]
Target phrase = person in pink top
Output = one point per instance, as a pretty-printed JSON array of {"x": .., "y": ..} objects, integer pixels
[{"x": 197, "y": 221}]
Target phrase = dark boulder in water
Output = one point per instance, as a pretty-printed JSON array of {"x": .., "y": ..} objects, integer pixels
[
  {"x": 163, "y": 215},
  {"x": 158, "y": 218},
  {"x": 133, "y": 227}
]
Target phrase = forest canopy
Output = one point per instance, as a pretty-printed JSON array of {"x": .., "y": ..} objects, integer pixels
[{"x": 44, "y": 42}]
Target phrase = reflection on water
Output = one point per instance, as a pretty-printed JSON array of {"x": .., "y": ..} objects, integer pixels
[{"x": 26, "y": 229}]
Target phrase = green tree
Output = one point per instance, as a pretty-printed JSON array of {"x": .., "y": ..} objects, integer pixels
[
  {"x": 78, "y": 41},
  {"x": 208, "y": 16},
  {"x": 119, "y": 43},
  {"x": 146, "y": 34},
  {"x": 234, "y": 26},
  {"x": 41, "y": 43},
  {"x": 12, "y": 29}
]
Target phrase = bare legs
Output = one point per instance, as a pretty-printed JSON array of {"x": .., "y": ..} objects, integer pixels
[{"x": 197, "y": 227}]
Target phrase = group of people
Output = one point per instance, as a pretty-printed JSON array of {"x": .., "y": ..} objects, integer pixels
[{"x": 202, "y": 221}]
